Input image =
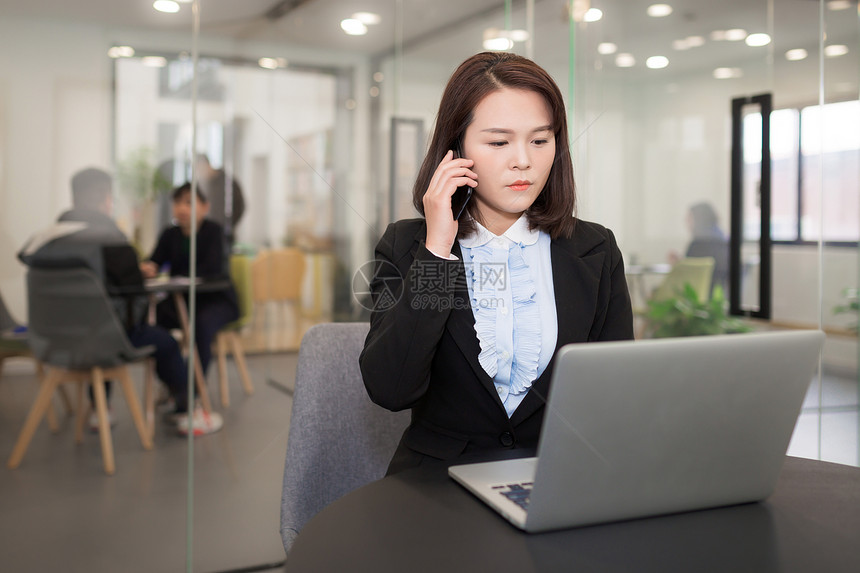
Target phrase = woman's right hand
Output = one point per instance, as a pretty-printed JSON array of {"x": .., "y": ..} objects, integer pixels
[{"x": 441, "y": 225}]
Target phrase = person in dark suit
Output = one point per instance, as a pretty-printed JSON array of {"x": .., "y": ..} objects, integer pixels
[
  {"x": 214, "y": 309},
  {"x": 468, "y": 313}
]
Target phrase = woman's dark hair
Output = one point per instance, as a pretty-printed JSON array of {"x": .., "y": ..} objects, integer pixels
[
  {"x": 704, "y": 220},
  {"x": 185, "y": 189},
  {"x": 476, "y": 78}
]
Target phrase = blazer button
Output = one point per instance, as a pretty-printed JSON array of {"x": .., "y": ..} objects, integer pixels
[{"x": 506, "y": 439}]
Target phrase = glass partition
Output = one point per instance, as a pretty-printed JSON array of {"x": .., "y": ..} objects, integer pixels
[{"x": 323, "y": 133}]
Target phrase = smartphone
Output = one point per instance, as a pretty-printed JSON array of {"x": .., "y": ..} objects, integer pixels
[{"x": 461, "y": 196}]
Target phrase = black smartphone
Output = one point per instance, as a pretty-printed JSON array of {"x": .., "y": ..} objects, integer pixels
[{"x": 463, "y": 193}]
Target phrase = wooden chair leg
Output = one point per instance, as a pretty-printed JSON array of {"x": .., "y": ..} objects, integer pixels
[
  {"x": 81, "y": 412},
  {"x": 64, "y": 397},
  {"x": 241, "y": 365},
  {"x": 134, "y": 407},
  {"x": 43, "y": 401},
  {"x": 149, "y": 396},
  {"x": 104, "y": 424},
  {"x": 51, "y": 416},
  {"x": 200, "y": 380},
  {"x": 224, "y": 390}
]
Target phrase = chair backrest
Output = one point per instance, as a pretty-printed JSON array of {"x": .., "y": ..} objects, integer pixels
[
  {"x": 288, "y": 272},
  {"x": 6, "y": 320},
  {"x": 695, "y": 271},
  {"x": 339, "y": 440},
  {"x": 72, "y": 323},
  {"x": 261, "y": 276},
  {"x": 240, "y": 276}
]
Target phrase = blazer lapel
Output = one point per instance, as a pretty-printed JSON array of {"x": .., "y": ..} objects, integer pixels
[{"x": 576, "y": 282}]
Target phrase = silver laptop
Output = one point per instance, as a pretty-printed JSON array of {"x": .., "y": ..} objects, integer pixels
[{"x": 635, "y": 429}]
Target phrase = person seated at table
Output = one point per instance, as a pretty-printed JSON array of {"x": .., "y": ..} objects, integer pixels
[
  {"x": 86, "y": 236},
  {"x": 708, "y": 240},
  {"x": 215, "y": 309},
  {"x": 469, "y": 312}
]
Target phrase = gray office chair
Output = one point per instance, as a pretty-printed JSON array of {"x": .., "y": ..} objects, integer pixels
[
  {"x": 74, "y": 331},
  {"x": 339, "y": 440}
]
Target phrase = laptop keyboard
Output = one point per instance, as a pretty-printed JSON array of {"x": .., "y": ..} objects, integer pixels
[{"x": 516, "y": 492}]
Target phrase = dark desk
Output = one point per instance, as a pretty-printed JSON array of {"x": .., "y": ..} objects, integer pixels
[{"x": 421, "y": 520}]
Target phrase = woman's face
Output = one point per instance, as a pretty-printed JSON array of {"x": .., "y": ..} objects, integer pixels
[
  {"x": 512, "y": 143},
  {"x": 182, "y": 211}
]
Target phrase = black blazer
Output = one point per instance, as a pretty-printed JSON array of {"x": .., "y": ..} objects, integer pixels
[{"x": 422, "y": 349}]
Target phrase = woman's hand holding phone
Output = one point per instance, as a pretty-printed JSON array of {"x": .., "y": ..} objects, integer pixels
[{"x": 452, "y": 172}]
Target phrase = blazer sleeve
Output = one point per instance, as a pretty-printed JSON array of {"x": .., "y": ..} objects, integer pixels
[
  {"x": 407, "y": 321},
  {"x": 618, "y": 322}
]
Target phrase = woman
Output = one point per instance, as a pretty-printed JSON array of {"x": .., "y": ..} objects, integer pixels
[{"x": 469, "y": 312}]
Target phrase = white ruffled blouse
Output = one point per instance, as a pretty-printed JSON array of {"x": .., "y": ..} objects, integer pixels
[{"x": 510, "y": 287}]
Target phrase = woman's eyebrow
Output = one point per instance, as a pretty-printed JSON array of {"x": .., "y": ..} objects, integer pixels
[{"x": 504, "y": 131}]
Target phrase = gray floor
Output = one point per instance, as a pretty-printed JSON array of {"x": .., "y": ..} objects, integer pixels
[{"x": 60, "y": 512}]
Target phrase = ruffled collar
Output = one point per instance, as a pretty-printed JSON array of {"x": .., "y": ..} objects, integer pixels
[{"x": 518, "y": 233}]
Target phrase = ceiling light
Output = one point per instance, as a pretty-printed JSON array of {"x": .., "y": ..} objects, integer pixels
[
  {"x": 374, "y": 91},
  {"x": 835, "y": 50},
  {"x": 718, "y": 35},
  {"x": 657, "y": 62},
  {"x": 838, "y": 5},
  {"x": 268, "y": 63},
  {"x": 680, "y": 45},
  {"x": 695, "y": 41},
  {"x": 518, "y": 35},
  {"x": 796, "y": 55},
  {"x": 121, "y": 52},
  {"x": 625, "y": 60},
  {"x": 727, "y": 73},
  {"x": 606, "y": 48},
  {"x": 498, "y": 44},
  {"x": 736, "y": 35},
  {"x": 153, "y": 61},
  {"x": 367, "y": 18},
  {"x": 168, "y": 6},
  {"x": 592, "y": 15},
  {"x": 353, "y": 27},
  {"x": 378, "y": 77},
  {"x": 756, "y": 40},
  {"x": 659, "y": 10}
]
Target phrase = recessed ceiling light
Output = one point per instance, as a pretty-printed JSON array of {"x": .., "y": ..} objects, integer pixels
[
  {"x": 659, "y": 10},
  {"x": 625, "y": 60},
  {"x": 367, "y": 18},
  {"x": 680, "y": 45},
  {"x": 838, "y": 5},
  {"x": 378, "y": 77},
  {"x": 268, "y": 63},
  {"x": 756, "y": 40},
  {"x": 121, "y": 52},
  {"x": 695, "y": 41},
  {"x": 835, "y": 50},
  {"x": 736, "y": 34},
  {"x": 592, "y": 15},
  {"x": 154, "y": 61},
  {"x": 657, "y": 62},
  {"x": 353, "y": 27},
  {"x": 796, "y": 55},
  {"x": 718, "y": 35},
  {"x": 518, "y": 35},
  {"x": 727, "y": 73},
  {"x": 498, "y": 44},
  {"x": 373, "y": 91},
  {"x": 606, "y": 48},
  {"x": 168, "y": 6}
]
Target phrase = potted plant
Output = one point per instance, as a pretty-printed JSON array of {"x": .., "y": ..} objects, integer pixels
[
  {"x": 852, "y": 306},
  {"x": 686, "y": 315}
]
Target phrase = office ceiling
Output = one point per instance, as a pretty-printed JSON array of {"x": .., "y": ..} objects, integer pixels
[{"x": 443, "y": 28}]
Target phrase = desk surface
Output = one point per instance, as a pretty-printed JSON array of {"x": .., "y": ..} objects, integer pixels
[{"x": 421, "y": 520}]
